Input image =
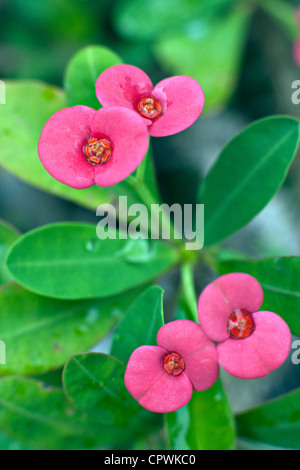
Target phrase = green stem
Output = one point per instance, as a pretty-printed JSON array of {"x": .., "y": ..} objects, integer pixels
[
  {"x": 189, "y": 292},
  {"x": 140, "y": 173},
  {"x": 147, "y": 197}
]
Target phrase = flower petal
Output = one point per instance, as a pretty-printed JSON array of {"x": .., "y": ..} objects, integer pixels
[
  {"x": 182, "y": 100},
  {"x": 297, "y": 52},
  {"x": 129, "y": 138},
  {"x": 61, "y": 144},
  {"x": 148, "y": 382},
  {"x": 220, "y": 298},
  {"x": 123, "y": 85},
  {"x": 198, "y": 352},
  {"x": 259, "y": 354}
]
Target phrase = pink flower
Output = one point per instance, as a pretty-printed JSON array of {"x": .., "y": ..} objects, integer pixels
[
  {"x": 162, "y": 378},
  {"x": 171, "y": 106},
  {"x": 81, "y": 147},
  {"x": 297, "y": 16},
  {"x": 297, "y": 41},
  {"x": 252, "y": 343},
  {"x": 297, "y": 52}
]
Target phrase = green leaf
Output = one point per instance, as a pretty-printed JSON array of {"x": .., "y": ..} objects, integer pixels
[
  {"x": 205, "y": 423},
  {"x": 94, "y": 383},
  {"x": 284, "y": 13},
  {"x": 153, "y": 20},
  {"x": 29, "y": 104},
  {"x": 68, "y": 261},
  {"x": 275, "y": 423},
  {"x": 82, "y": 73},
  {"x": 247, "y": 174},
  {"x": 8, "y": 235},
  {"x": 212, "y": 56},
  {"x": 140, "y": 324},
  {"x": 6, "y": 443},
  {"x": 42, "y": 418},
  {"x": 63, "y": 23},
  {"x": 279, "y": 278},
  {"x": 40, "y": 334}
]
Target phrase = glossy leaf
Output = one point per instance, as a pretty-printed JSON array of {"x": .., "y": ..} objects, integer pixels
[
  {"x": 7, "y": 443},
  {"x": 69, "y": 261},
  {"x": 94, "y": 383},
  {"x": 29, "y": 105},
  {"x": 40, "y": 334},
  {"x": 279, "y": 278},
  {"x": 83, "y": 71},
  {"x": 42, "y": 418},
  {"x": 275, "y": 423},
  {"x": 205, "y": 423},
  {"x": 211, "y": 54},
  {"x": 247, "y": 174},
  {"x": 140, "y": 325},
  {"x": 7, "y": 236}
]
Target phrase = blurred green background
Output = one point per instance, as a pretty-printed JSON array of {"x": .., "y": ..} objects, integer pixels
[{"x": 241, "y": 54}]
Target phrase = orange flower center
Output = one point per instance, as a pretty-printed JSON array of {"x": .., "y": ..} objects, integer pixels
[
  {"x": 149, "y": 108},
  {"x": 241, "y": 324},
  {"x": 174, "y": 364},
  {"x": 97, "y": 151}
]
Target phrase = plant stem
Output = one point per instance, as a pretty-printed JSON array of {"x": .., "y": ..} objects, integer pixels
[
  {"x": 140, "y": 173},
  {"x": 151, "y": 203},
  {"x": 189, "y": 288}
]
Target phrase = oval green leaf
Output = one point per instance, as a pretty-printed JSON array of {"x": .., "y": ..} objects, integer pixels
[
  {"x": 68, "y": 261},
  {"x": 275, "y": 423},
  {"x": 205, "y": 423},
  {"x": 140, "y": 325},
  {"x": 41, "y": 417},
  {"x": 210, "y": 52},
  {"x": 247, "y": 174},
  {"x": 40, "y": 334},
  {"x": 82, "y": 73},
  {"x": 94, "y": 383}
]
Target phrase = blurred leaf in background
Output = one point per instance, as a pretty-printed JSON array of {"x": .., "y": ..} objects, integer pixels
[
  {"x": 39, "y": 37},
  {"x": 212, "y": 56}
]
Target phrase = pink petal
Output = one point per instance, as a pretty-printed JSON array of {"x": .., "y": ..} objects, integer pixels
[
  {"x": 297, "y": 16},
  {"x": 259, "y": 354},
  {"x": 148, "y": 382},
  {"x": 186, "y": 338},
  {"x": 129, "y": 138},
  {"x": 61, "y": 144},
  {"x": 182, "y": 100},
  {"x": 123, "y": 85},
  {"x": 220, "y": 298},
  {"x": 297, "y": 52}
]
